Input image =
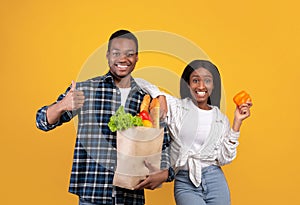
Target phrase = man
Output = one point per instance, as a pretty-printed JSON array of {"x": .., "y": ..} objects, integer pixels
[{"x": 95, "y": 101}]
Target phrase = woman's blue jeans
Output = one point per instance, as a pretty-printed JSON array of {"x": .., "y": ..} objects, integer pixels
[{"x": 213, "y": 189}]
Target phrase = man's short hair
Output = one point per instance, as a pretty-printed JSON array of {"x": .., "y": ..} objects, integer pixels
[{"x": 123, "y": 34}]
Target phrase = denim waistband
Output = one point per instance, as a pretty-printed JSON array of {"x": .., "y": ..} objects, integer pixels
[{"x": 204, "y": 170}]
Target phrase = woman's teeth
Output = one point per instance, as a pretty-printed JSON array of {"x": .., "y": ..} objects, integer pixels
[{"x": 201, "y": 93}]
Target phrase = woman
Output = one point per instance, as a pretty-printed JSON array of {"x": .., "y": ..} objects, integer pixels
[{"x": 203, "y": 140}]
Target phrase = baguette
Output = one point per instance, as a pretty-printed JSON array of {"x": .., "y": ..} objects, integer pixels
[
  {"x": 154, "y": 112},
  {"x": 145, "y": 103}
]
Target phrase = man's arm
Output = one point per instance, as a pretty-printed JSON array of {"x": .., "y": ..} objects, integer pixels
[
  {"x": 163, "y": 174},
  {"x": 48, "y": 117},
  {"x": 154, "y": 180},
  {"x": 72, "y": 101}
]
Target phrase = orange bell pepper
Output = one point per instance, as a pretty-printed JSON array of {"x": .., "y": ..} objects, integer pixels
[{"x": 241, "y": 98}]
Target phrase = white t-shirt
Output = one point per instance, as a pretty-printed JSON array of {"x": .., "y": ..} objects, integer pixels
[
  {"x": 124, "y": 95},
  {"x": 204, "y": 121},
  {"x": 204, "y": 125}
]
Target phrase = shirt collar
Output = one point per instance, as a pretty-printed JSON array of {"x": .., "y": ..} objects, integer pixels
[{"x": 109, "y": 78}]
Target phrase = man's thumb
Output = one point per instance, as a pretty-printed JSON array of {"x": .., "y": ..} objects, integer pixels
[
  {"x": 73, "y": 87},
  {"x": 150, "y": 167}
]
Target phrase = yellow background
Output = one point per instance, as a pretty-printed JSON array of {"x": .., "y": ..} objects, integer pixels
[{"x": 255, "y": 44}]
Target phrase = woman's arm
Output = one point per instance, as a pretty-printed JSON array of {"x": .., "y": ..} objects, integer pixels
[
  {"x": 241, "y": 113},
  {"x": 154, "y": 92},
  {"x": 229, "y": 144},
  {"x": 148, "y": 87}
]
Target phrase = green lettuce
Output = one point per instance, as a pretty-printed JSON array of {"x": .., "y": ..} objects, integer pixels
[{"x": 122, "y": 120}]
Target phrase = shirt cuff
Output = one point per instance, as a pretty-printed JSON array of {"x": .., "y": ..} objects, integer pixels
[
  {"x": 171, "y": 175},
  {"x": 234, "y": 134}
]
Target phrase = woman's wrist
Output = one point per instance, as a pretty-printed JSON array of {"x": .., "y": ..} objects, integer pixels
[{"x": 236, "y": 125}]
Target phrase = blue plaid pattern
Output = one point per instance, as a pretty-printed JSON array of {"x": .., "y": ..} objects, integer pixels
[{"x": 94, "y": 159}]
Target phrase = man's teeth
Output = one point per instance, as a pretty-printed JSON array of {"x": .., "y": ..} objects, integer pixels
[
  {"x": 122, "y": 66},
  {"x": 201, "y": 93}
]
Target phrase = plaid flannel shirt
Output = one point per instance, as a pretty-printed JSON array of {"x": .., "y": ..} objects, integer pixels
[{"x": 95, "y": 154}]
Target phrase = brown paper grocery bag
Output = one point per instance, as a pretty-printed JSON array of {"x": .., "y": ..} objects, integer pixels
[{"x": 135, "y": 146}]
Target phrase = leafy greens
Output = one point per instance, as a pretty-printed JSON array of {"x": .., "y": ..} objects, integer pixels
[{"x": 122, "y": 120}]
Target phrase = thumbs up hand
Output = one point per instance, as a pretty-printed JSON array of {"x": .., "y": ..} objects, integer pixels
[{"x": 74, "y": 98}]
